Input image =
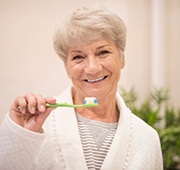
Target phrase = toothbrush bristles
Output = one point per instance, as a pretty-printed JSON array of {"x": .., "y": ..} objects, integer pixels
[{"x": 90, "y": 100}]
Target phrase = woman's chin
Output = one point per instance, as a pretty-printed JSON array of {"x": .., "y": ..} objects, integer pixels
[{"x": 98, "y": 93}]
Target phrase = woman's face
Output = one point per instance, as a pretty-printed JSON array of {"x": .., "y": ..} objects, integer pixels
[{"x": 95, "y": 69}]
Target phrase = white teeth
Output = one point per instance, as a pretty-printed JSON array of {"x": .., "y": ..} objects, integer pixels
[{"x": 95, "y": 80}]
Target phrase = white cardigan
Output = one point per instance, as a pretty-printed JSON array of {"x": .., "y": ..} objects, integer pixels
[{"x": 136, "y": 145}]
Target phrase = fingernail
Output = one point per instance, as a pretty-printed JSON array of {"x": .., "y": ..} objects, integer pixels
[{"x": 42, "y": 108}]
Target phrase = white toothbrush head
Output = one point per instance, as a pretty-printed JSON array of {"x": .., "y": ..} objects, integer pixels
[{"x": 90, "y": 100}]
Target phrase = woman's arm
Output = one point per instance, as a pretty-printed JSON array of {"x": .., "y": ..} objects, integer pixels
[
  {"x": 20, "y": 137},
  {"x": 18, "y": 146}
]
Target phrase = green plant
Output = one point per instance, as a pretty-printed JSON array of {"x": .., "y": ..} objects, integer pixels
[{"x": 155, "y": 111}]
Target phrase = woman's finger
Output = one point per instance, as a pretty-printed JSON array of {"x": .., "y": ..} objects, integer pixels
[
  {"x": 41, "y": 103},
  {"x": 20, "y": 104},
  {"x": 31, "y": 102},
  {"x": 50, "y": 100}
]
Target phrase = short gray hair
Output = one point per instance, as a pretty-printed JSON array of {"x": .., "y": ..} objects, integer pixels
[{"x": 85, "y": 26}]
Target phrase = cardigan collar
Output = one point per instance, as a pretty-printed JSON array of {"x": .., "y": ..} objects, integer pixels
[{"x": 69, "y": 138}]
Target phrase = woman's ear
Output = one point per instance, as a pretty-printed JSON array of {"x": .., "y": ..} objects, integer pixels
[{"x": 123, "y": 61}]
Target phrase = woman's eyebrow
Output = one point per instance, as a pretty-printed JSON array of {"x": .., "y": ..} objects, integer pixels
[
  {"x": 79, "y": 51},
  {"x": 76, "y": 51},
  {"x": 102, "y": 46}
]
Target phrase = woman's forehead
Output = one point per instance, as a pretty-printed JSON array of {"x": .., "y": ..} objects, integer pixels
[{"x": 99, "y": 44}]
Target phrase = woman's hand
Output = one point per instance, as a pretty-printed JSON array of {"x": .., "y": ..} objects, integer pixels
[{"x": 30, "y": 111}]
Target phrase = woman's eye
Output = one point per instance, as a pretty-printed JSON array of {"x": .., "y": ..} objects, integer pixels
[
  {"x": 77, "y": 57},
  {"x": 103, "y": 52}
]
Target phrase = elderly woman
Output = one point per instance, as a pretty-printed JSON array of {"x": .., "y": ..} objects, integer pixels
[{"x": 91, "y": 43}]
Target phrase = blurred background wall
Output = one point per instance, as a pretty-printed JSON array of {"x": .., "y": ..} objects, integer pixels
[{"x": 28, "y": 62}]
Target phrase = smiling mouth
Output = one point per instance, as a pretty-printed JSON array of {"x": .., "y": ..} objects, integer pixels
[{"x": 96, "y": 80}]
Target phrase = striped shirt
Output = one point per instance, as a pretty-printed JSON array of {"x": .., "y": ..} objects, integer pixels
[{"x": 96, "y": 139}]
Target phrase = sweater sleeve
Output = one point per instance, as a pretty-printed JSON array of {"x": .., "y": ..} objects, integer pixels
[{"x": 18, "y": 146}]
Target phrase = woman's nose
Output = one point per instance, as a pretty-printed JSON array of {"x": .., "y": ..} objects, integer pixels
[{"x": 93, "y": 66}]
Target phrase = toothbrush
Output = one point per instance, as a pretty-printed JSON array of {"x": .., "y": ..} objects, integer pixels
[{"x": 88, "y": 102}]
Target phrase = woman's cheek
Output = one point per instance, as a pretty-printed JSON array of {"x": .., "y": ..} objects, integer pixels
[{"x": 73, "y": 72}]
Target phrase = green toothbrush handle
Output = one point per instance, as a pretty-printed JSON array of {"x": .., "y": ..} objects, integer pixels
[
  {"x": 59, "y": 105},
  {"x": 70, "y": 105},
  {"x": 48, "y": 105}
]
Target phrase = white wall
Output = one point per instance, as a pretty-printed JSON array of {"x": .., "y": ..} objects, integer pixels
[
  {"x": 172, "y": 50},
  {"x": 29, "y": 63}
]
